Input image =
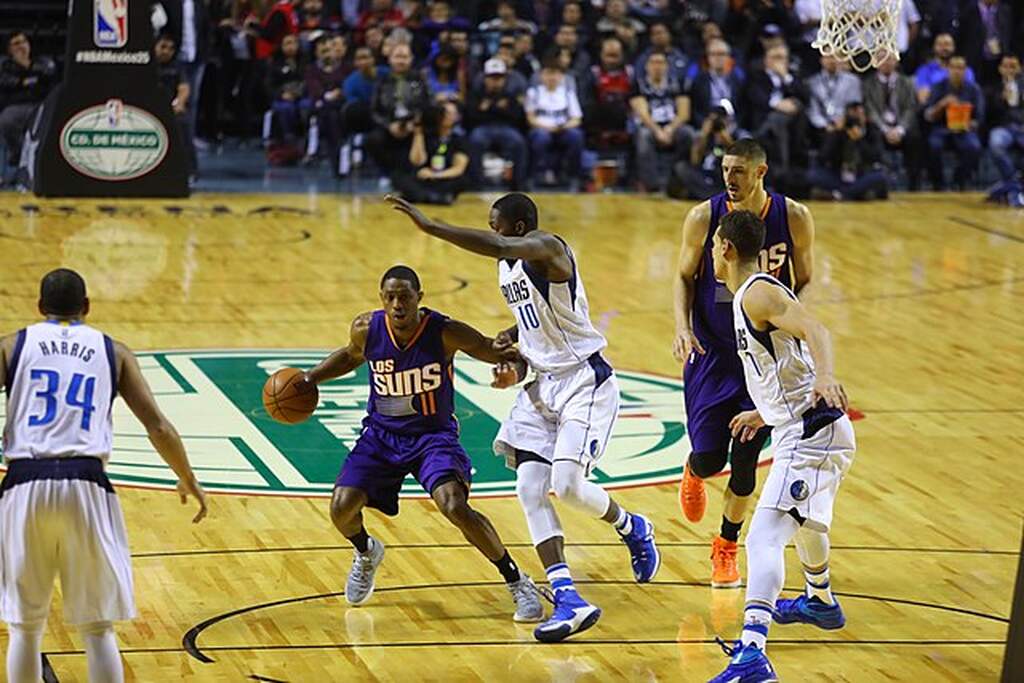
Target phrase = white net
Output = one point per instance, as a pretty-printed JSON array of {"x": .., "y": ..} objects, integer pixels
[{"x": 861, "y": 32}]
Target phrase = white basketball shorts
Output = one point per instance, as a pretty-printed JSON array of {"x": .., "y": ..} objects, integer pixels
[
  {"x": 61, "y": 517},
  {"x": 806, "y": 473},
  {"x": 563, "y": 416}
]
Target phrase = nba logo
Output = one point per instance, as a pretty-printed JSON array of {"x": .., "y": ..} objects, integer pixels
[{"x": 110, "y": 23}]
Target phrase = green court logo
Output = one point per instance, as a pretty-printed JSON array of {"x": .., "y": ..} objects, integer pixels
[
  {"x": 213, "y": 398},
  {"x": 114, "y": 141}
]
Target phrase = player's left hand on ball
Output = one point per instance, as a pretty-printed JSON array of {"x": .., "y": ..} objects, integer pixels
[
  {"x": 745, "y": 425},
  {"x": 826, "y": 388},
  {"x": 505, "y": 375}
]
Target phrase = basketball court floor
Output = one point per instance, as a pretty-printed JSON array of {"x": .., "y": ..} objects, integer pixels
[{"x": 923, "y": 295}]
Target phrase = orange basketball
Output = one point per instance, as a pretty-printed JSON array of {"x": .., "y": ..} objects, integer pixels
[{"x": 288, "y": 401}]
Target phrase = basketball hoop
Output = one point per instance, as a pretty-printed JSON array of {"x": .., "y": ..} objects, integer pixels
[{"x": 861, "y": 32}]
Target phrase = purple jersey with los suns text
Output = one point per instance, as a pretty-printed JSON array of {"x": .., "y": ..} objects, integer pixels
[
  {"x": 411, "y": 387},
  {"x": 714, "y": 388},
  {"x": 712, "y": 300}
]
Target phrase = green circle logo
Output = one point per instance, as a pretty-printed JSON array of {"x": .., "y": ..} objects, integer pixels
[
  {"x": 113, "y": 141},
  {"x": 214, "y": 399}
]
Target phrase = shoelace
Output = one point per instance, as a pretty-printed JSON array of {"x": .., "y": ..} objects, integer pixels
[
  {"x": 362, "y": 566},
  {"x": 730, "y": 650}
]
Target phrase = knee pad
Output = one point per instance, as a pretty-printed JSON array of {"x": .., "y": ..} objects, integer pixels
[
  {"x": 532, "y": 483},
  {"x": 96, "y": 628},
  {"x": 708, "y": 463},
  {"x": 743, "y": 476}
]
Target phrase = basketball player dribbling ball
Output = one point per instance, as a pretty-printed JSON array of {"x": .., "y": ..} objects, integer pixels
[
  {"x": 787, "y": 364},
  {"x": 562, "y": 419},
  {"x": 59, "y": 514},
  {"x": 705, "y": 343},
  {"x": 410, "y": 428}
]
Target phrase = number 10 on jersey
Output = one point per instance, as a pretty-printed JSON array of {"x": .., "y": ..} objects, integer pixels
[{"x": 528, "y": 316}]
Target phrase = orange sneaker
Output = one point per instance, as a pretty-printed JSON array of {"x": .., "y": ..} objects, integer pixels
[
  {"x": 693, "y": 499},
  {"x": 724, "y": 571}
]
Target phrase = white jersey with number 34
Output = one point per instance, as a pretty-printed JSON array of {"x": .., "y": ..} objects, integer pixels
[
  {"x": 555, "y": 332},
  {"x": 60, "y": 389}
]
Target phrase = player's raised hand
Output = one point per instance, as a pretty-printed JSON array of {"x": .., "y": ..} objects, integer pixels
[
  {"x": 827, "y": 389},
  {"x": 685, "y": 343},
  {"x": 417, "y": 216},
  {"x": 191, "y": 487},
  {"x": 745, "y": 425}
]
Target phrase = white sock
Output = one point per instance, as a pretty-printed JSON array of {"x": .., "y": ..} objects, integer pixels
[
  {"x": 624, "y": 522},
  {"x": 757, "y": 617},
  {"x": 818, "y": 585},
  {"x": 101, "y": 652},
  {"x": 24, "y": 653},
  {"x": 560, "y": 578}
]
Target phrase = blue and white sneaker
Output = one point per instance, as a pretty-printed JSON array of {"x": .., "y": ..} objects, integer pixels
[
  {"x": 749, "y": 664},
  {"x": 644, "y": 555},
  {"x": 814, "y": 611},
  {"x": 572, "y": 614}
]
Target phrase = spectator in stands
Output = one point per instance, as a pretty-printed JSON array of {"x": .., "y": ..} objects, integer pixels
[
  {"x": 699, "y": 175},
  {"x": 891, "y": 104},
  {"x": 606, "y": 97},
  {"x": 616, "y": 23},
  {"x": 986, "y": 32},
  {"x": 1006, "y": 115},
  {"x": 774, "y": 108},
  {"x": 517, "y": 83},
  {"x": 955, "y": 110},
  {"x": 661, "y": 41},
  {"x": 188, "y": 22},
  {"x": 286, "y": 84},
  {"x": 269, "y": 27},
  {"x": 442, "y": 77},
  {"x": 507, "y": 22},
  {"x": 496, "y": 117},
  {"x": 398, "y": 102},
  {"x": 172, "y": 79},
  {"x": 438, "y": 162},
  {"x": 934, "y": 72},
  {"x": 324, "y": 81},
  {"x": 554, "y": 114},
  {"x": 311, "y": 22},
  {"x": 575, "y": 60},
  {"x": 358, "y": 91},
  {"x": 651, "y": 10},
  {"x": 720, "y": 82},
  {"x": 373, "y": 38},
  {"x": 850, "y": 164},
  {"x": 381, "y": 14},
  {"x": 572, "y": 15},
  {"x": 661, "y": 110},
  {"x": 526, "y": 62},
  {"x": 907, "y": 28},
  {"x": 830, "y": 90},
  {"x": 25, "y": 81}
]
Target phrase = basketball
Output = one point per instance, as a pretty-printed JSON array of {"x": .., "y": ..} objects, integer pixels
[{"x": 285, "y": 401}]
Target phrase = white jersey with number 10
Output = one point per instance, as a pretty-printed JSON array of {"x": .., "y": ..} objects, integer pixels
[{"x": 555, "y": 332}]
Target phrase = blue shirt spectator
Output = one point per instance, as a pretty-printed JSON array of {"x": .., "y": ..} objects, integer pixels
[{"x": 358, "y": 86}]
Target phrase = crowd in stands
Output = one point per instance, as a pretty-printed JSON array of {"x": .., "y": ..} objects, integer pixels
[{"x": 429, "y": 89}]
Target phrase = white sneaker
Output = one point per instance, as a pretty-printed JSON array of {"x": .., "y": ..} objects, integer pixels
[
  {"x": 359, "y": 586},
  {"x": 527, "y": 598}
]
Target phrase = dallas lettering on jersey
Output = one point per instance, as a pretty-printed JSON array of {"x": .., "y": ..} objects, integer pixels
[
  {"x": 516, "y": 291},
  {"x": 409, "y": 382},
  {"x": 75, "y": 350}
]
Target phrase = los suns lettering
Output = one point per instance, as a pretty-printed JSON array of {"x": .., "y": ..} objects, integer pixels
[{"x": 409, "y": 382}]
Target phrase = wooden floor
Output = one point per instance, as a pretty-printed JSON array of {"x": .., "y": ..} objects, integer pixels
[{"x": 924, "y": 298}]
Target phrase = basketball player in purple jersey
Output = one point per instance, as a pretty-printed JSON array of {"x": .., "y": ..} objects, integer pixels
[
  {"x": 706, "y": 342},
  {"x": 410, "y": 428}
]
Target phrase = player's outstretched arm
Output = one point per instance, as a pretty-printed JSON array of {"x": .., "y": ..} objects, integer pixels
[
  {"x": 801, "y": 227},
  {"x": 347, "y": 358},
  {"x": 6, "y": 347},
  {"x": 767, "y": 304},
  {"x": 695, "y": 232},
  {"x": 534, "y": 246},
  {"x": 510, "y": 368},
  {"x": 135, "y": 391}
]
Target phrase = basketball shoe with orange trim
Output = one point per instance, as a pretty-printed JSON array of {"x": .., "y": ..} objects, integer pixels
[
  {"x": 693, "y": 498},
  {"x": 725, "y": 573}
]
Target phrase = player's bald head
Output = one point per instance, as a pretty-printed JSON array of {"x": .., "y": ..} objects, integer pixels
[{"x": 517, "y": 208}]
